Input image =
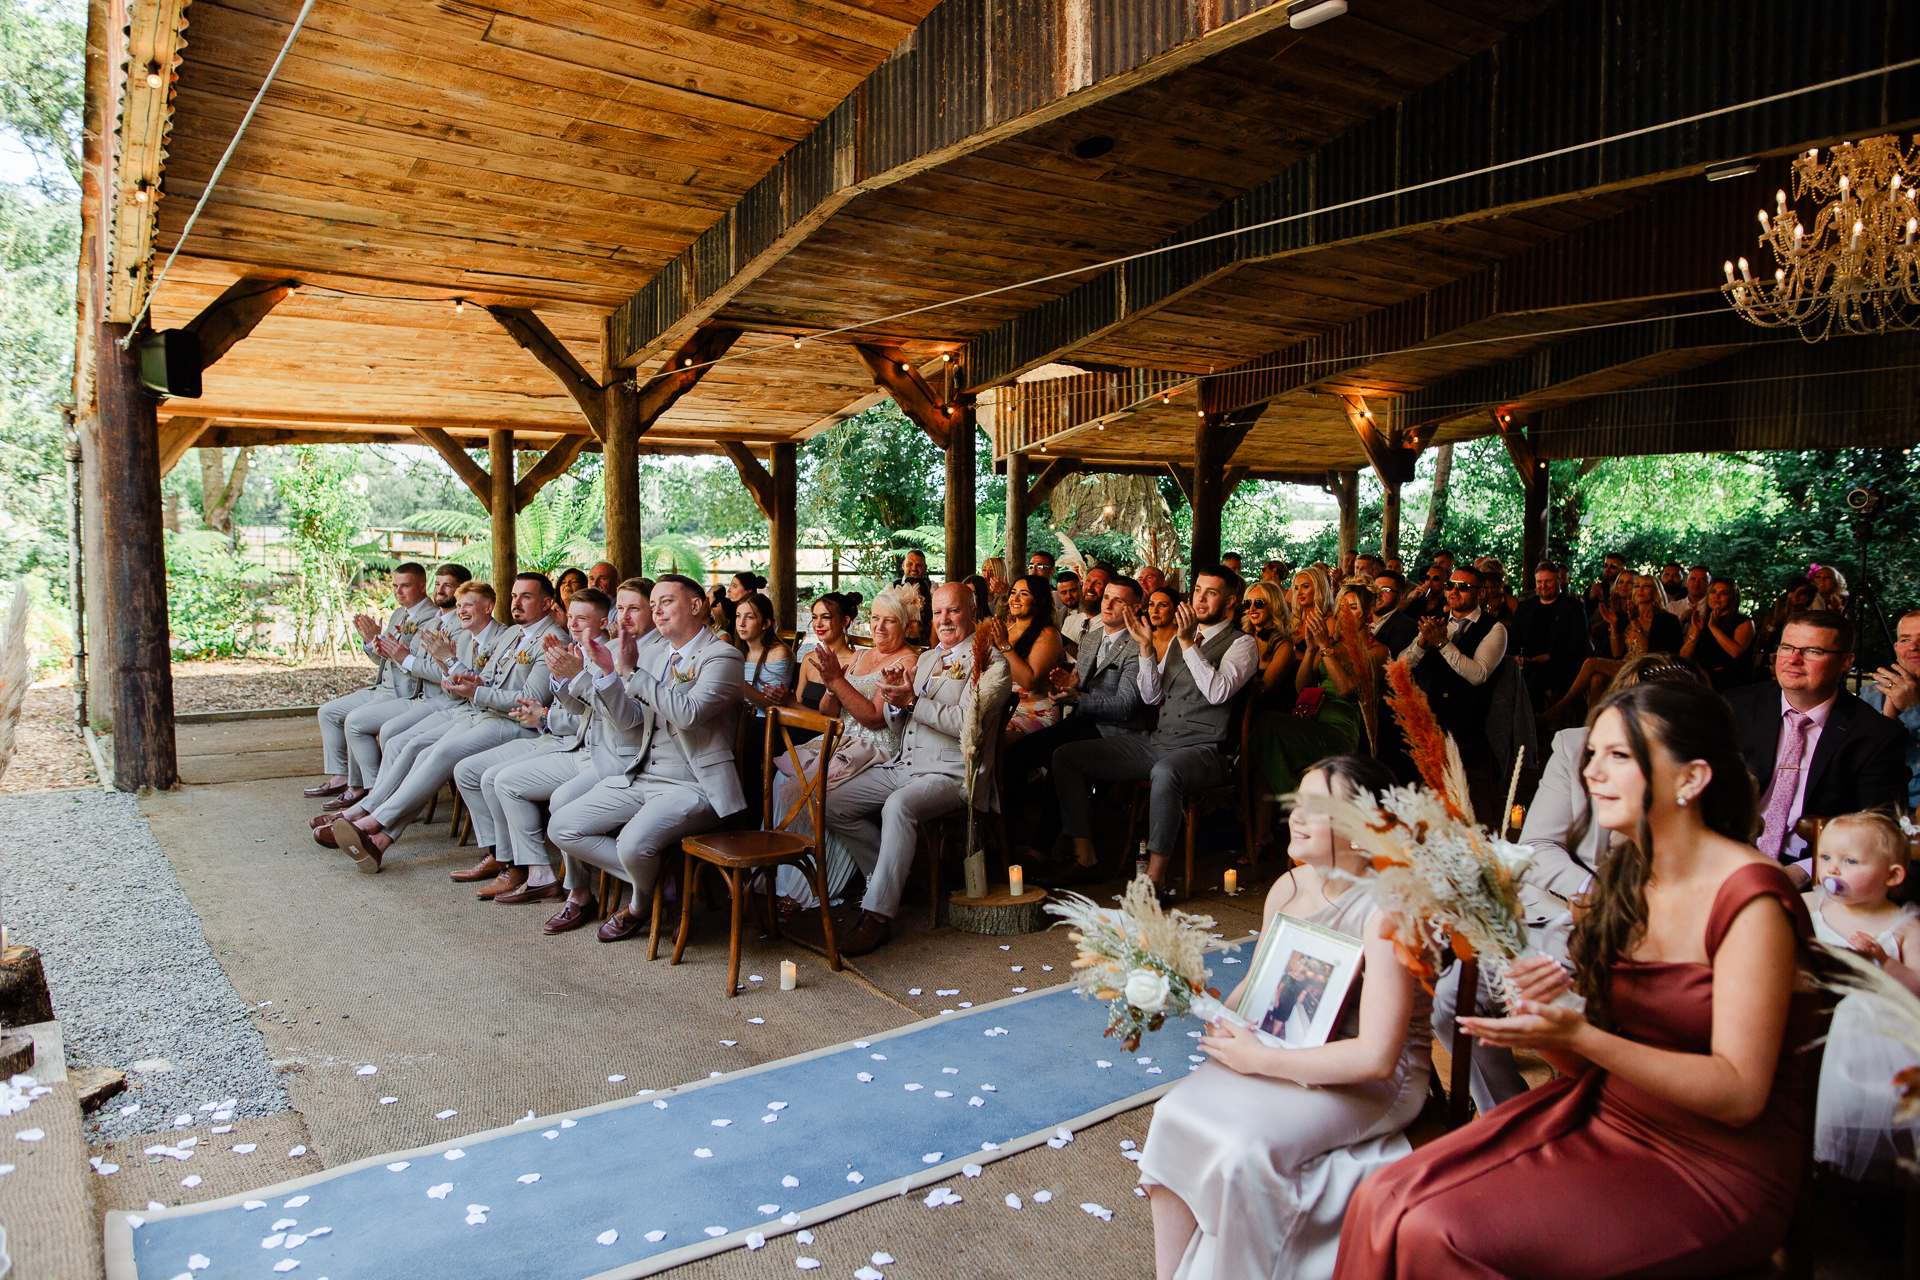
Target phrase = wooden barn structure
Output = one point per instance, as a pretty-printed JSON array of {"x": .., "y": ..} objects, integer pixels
[{"x": 1224, "y": 239}]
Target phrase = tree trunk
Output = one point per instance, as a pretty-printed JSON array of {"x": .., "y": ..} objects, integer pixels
[
  {"x": 1437, "y": 504},
  {"x": 220, "y": 491}
]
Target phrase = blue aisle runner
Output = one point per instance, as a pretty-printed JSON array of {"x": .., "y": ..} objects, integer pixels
[{"x": 809, "y": 1136}]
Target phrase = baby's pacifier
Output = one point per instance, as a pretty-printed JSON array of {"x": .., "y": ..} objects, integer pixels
[{"x": 1834, "y": 885}]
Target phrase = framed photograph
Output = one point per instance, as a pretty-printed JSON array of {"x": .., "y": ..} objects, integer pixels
[{"x": 1299, "y": 981}]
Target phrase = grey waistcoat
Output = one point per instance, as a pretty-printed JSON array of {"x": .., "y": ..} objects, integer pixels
[{"x": 1187, "y": 719}]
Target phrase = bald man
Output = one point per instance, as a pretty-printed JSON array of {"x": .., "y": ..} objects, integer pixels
[{"x": 602, "y": 578}]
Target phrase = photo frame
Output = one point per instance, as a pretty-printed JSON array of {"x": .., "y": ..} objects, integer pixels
[{"x": 1299, "y": 981}]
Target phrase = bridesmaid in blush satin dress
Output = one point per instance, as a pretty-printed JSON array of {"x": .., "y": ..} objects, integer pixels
[{"x": 1672, "y": 1143}]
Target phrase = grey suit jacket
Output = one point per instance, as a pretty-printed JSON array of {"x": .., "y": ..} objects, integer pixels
[
  {"x": 694, "y": 712},
  {"x": 574, "y": 716},
  {"x": 1110, "y": 690},
  {"x": 427, "y": 674},
  {"x": 517, "y": 669},
  {"x": 931, "y": 741},
  {"x": 402, "y": 625},
  {"x": 1560, "y": 799}
]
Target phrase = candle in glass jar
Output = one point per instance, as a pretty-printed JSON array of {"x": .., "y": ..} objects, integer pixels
[
  {"x": 1016, "y": 881},
  {"x": 789, "y": 975},
  {"x": 1233, "y": 881}
]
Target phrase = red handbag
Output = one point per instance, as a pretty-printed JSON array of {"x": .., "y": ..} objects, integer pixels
[{"x": 1308, "y": 702}]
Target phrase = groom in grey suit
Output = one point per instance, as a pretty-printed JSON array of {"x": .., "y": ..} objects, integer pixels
[
  {"x": 683, "y": 697},
  {"x": 880, "y": 812}
]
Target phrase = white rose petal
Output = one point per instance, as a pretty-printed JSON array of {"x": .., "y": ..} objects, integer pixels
[
  {"x": 769, "y": 1209},
  {"x": 913, "y": 991},
  {"x": 789, "y": 1218},
  {"x": 856, "y": 1177},
  {"x": 943, "y": 1093},
  {"x": 398, "y": 1165},
  {"x": 1018, "y": 967},
  {"x": 607, "y": 1237},
  {"x": 528, "y": 1178},
  {"x": 976, "y": 1101},
  {"x": 445, "y": 1115},
  {"x": 769, "y": 1118},
  {"x": 273, "y": 1241},
  {"x": 1042, "y": 1197},
  {"x": 755, "y": 1240},
  {"x": 294, "y": 1242},
  {"x": 1105, "y": 1215},
  {"x": 756, "y": 1022},
  {"x": 221, "y": 1128},
  {"x": 1019, "y": 991},
  {"x": 882, "y": 1259},
  {"x": 655, "y": 1237},
  {"x": 199, "y": 1262},
  {"x": 284, "y": 1223},
  {"x": 296, "y": 1202},
  {"x": 31, "y": 1135},
  {"x": 387, "y": 1102},
  {"x": 932, "y": 1157},
  {"x": 789, "y": 1181},
  {"x": 701, "y": 1153},
  {"x": 754, "y": 977},
  {"x": 455, "y": 1154},
  {"x": 287, "y": 1264},
  {"x": 659, "y": 1104},
  {"x": 868, "y": 1273},
  {"x": 439, "y": 1192},
  {"x": 1046, "y": 968},
  {"x": 776, "y": 1106},
  {"x": 1013, "y": 1201},
  {"x": 804, "y": 1237},
  {"x": 1102, "y": 1063},
  {"x": 716, "y": 1232},
  {"x": 251, "y": 1205},
  {"x": 568, "y": 1124},
  {"x": 551, "y": 1133},
  {"x": 319, "y": 1231},
  {"x": 806, "y": 1264},
  {"x": 367, "y": 1070},
  {"x": 864, "y": 1077},
  {"x": 914, "y": 1088},
  {"x": 878, "y": 1057},
  {"x": 244, "y": 1148},
  {"x": 729, "y": 1043},
  {"x": 191, "y": 1180},
  {"x": 720, "y": 1124},
  {"x": 615, "y": 1079}
]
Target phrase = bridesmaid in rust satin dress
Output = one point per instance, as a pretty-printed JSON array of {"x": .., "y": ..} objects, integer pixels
[{"x": 1671, "y": 1144}]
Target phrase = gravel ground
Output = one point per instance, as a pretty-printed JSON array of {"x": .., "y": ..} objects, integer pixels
[
  {"x": 240, "y": 684},
  {"x": 133, "y": 980},
  {"x": 49, "y": 751}
]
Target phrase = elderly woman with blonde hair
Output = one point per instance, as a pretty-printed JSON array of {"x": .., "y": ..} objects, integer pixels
[{"x": 866, "y": 736}]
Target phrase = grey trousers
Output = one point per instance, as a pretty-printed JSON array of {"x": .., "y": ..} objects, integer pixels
[
  {"x": 334, "y": 759},
  {"x": 489, "y": 827},
  {"x": 879, "y": 814},
  {"x": 398, "y": 751},
  {"x": 519, "y": 787},
  {"x": 363, "y": 732},
  {"x": 650, "y": 817},
  {"x": 433, "y": 769},
  {"x": 1129, "y": 758}
]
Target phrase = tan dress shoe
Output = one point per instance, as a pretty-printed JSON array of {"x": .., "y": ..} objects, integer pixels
[
  {"x": 872, "y": 933},
  {"x": 323, "y": 836},
  {"x": 356, "y": 842},
  {"x": 485, "y": 869},
  {"x": 553, "y": 891},
  {"x": 345, "y": 800},
  {"x": 314, "y": 793},
  {"x": 572, "y": 916},
  {"x": 509, "y": 879}
]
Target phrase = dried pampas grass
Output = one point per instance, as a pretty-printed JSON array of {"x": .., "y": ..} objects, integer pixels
[{"x": 15, "y": 675}]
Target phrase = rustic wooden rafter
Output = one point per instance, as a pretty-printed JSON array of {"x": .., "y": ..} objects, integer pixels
[
  {"x": 234, "y": 314},
  {"x": 471, "y": 473},
  {"x": 1391, "y": 460},
  {"x": 552, "y": 465},
  {"x": 683, "y": 372},
  {"x": 531, "y": 332},
  {"x": 177, "y": 435},
  {"x": 895, "y": 373},
  {"x": 149, "y": 43},
  {"x": 757, "y": 479}
]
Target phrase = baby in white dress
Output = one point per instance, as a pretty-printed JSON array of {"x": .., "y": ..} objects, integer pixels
[{"x": 1862, "y": 859}]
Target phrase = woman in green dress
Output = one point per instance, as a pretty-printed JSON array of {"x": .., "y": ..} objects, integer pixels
[{"x": 1337, "y": 673}]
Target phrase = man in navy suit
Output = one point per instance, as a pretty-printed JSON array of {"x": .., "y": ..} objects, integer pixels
[{"x": 1815, "y": 749}]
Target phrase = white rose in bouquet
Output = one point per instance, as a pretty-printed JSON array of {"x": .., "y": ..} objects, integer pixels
[{"x": 1147, "y": 989}]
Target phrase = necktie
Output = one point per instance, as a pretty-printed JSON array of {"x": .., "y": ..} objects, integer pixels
[{"x": 1786, "y": 781}]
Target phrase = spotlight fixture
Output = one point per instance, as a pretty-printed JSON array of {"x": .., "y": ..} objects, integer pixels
[
  {"x": 153, "y": 75},
  {"x": 1302, "y": 14},
  {"x": 1731, "y": 169},
  {"x": 141, "y": 193}
]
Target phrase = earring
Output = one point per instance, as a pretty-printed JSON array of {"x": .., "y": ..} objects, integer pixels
[{"x": 1682, "y": 800}]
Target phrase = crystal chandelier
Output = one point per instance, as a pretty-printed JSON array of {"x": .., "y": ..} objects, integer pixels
[{"x": 1857, "y": 269}]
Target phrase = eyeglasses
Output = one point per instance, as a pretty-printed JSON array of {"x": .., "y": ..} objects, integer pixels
[
  {"x": 1459, "y": 587},
  {"x": 1808, "y": 651}
]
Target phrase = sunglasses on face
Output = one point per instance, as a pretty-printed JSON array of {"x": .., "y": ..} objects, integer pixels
[{"x": 1459, "y": 587}]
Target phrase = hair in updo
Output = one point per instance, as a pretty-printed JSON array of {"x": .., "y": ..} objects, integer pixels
[
  {"x": 1691, "y": 722},
  {"x": 903, "y": 602},
  {"x": 751, "y": 581},
  {"x": 844, "y": 603}
]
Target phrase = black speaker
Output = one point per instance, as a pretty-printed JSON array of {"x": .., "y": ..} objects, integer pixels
[{"x": 170, "y": 364}]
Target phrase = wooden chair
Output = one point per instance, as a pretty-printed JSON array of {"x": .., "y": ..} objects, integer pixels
[
  {"x": 1237, "y": 791},
  {"x": 741, "y": 857}
]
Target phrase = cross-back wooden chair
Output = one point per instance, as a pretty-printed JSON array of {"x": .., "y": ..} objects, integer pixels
[{"x": 741, "y": 857}]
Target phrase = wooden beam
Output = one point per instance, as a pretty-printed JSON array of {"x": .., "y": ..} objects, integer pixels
[
  {"x": 962, "y": 554},
  {"x": 471, "y": 473},
  {"x": 783, "y": 556},
  {"x": 1391, "y": 462},
  {"x": 506, "y": 551},
  {"x": 177, "y": 435},
  {"x": 1232, "y": 481},
  {"x": 147, "y": 39},
  {"x": 893, "y": 371},
  {"x": 1020, "y": 504},
  {"x": 682, "y": 372},
  {"x": 552, "y": 465},
  {"x": 531, "y": 332},
  {"x": 1056, "y": 470},
  {"x": 1345, "y": 487},
  {"x": 753, "y": 476},
  {"x": 233, "y": 315},
  {"x": 1182, "y": 475}
]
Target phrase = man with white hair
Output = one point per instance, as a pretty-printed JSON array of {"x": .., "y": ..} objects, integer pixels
[{"x": 879, "y": 813}]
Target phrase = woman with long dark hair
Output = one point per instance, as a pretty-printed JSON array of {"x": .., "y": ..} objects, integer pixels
[
  {"x": 1033, "y": 649},
  {"x": 1672, "y": 1143}
]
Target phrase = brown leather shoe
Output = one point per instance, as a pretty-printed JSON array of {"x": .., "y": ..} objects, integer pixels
[
  {"x": 619, "y": 925},
  {"x": 323, "y": 836},
  {"x": 326, "y": 789},
  {"x": 345, "y": 800},
  {"x": 550, "y": 892},
  {"x": 485, "y": 869},
  {"x": 872, "y": 933},
  {"x": 360, "y": 844},
  {"x": 509, "y": 879},
  {"x": 572, "y": 916}
]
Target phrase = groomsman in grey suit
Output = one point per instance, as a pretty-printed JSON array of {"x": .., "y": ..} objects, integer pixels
[
  {"x": 879, "y": 813},
  {"x": 377, "y": 722},
  {"x": 1103, "y": 690},
  {"x": 680, "y": 689},
  {"x": 389, "y": 683},
  {"x": 560, "y": 731},
  {"x": 1207, "y": 665},
  {"x": 510, "y": 667}
]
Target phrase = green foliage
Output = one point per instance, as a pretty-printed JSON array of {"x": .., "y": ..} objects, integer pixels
[
  {"x": 560, "y": 527},
  {"x": 326, "y": 508},
  {"x": 39, "y": 245},
  {"x": 871, "y": 475},
  {"x": 214, "y": 595},
  {"x": 42, "y": 87}
]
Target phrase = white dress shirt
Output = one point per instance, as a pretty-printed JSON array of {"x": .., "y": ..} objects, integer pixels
[
  {"x": 1794, "y": 849},
  {"x": 1217, "y": 684},
  {"x": 1474, "y": 668}
]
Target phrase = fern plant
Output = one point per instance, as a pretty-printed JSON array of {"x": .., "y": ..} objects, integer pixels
[{"x": 562, "y": 526}]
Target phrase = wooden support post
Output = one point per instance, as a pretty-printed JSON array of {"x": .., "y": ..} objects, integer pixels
[
  {"x": 552, "y": 465},
  {"x": 621, "y": 459},
  {"x": 1208, "y": 494},
  {"x": 1345, "y": 486},
  {"x": 1018, "y": 509},
  {"x": 135, "y": 572},
  {"x": 783, "y": 555},
  {"x": 1393, "y": 462},
  {"x": 506, "y": 558},
  {"x": 1390, "y": 520},
  {"x": 961, "y": 552},
  {"x": 1536, "y": 495}
]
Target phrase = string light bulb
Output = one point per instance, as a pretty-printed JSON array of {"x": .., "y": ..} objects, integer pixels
[
  {"x": 153, "y": 75},
  {"x": 459, "y": 306},
  {"x": 140, "y": 192}
]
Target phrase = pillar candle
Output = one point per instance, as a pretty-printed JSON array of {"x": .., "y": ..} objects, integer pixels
[
  {"x": 1016, "y": 881},
  {"x": 789, "y": 975},
  {"x": 1233, "y": 881}
]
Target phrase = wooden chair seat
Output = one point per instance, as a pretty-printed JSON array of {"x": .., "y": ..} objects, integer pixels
[{"x": 743, "y": 858}]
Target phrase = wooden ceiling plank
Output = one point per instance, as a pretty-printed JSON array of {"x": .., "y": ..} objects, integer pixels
[{"x": 149, "y": 43}]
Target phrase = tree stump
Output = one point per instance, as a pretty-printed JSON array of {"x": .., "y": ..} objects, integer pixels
[
  {"x": 16, "y": 1055},
  {"x": 95, "y": 1085},
  {"x": 23, "y": 988},
  {"x": 999, "y": 914}
]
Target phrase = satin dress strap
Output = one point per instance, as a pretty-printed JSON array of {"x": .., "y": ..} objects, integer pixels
[{"x": 1755, "y": 880}]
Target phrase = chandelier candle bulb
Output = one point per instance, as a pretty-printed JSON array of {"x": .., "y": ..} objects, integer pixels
[
  {"x": 1746, "y": 272},
  {"x": 1853, "y": 246},
  {"x": 1729, "y": 269},
  {"x": 1913, "y": 224},
  {"x": 1766, "y": 227},
  {"x": 789, "y": 975}
]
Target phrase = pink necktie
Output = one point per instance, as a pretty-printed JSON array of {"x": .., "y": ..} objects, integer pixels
[{"x": 1786, "y": 781}]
